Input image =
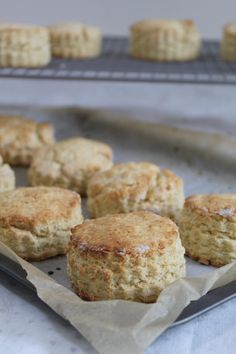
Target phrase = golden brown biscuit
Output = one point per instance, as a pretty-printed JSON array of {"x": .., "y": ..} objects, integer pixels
[
  {"x": 7, "y": 177},
  {"x": 130, "y": 256},
  {"x": 36, "y": 222},
  {"x": 165, "y": 40},
  {"x": 75, "y": 40},
  {"x": 20, "y": 138},
  {"x": 135, "y": 186},
  {"x": 208, "y": 228},
  {"x": 228, "y": 44},
  {"x": 24, "y": 46},
  {"x": 70, "y": 163}
]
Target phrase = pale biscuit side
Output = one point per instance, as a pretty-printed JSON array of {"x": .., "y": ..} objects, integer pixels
[
  {"x": 7, "y": 177},
  {"x": 165, "y": 40},
  {"x": 24, "y": 46},
  {"x": 208, "y": 229},
  {"x": 75, "y": 40}
]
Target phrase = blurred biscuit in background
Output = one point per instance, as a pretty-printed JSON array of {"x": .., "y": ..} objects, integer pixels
[
  {"x": 20, "y": 138},
  {"x": 135, "y": 186},
  {"x": 75, "y": 40},
  {"x": 164, "y": 40},
  {"x": 70, "y": 163},
  {"x": 24, "y": 46},
  {"x": 228, "y": 44}
]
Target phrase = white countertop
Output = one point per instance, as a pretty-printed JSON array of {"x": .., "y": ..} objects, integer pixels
[{"x": 29, "y": 326}]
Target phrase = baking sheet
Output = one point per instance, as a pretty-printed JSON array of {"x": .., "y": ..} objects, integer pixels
[{"x": 207, "y": 164}]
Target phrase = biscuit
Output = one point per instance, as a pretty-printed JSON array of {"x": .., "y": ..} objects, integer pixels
[
  {"x": 7, "y": 177},
  {"x": 70, "y": 163},
  {"x": 75, "y": 40},
  {"x": 228, "y": 44},
  {"x": 165, "y": 40},
  {"x": 24, "y": 46},
  {"x": 208, "y": 228},
  {"x": 130, "y": 256},
  {"x": 36, "y": 222},
  {"x": 20, "y": 138},
  {"x": 135, "y": 186}
]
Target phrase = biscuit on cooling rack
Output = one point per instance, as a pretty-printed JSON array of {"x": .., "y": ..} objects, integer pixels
[
  {"x": 130, "y": 256},
  {"x": 228, "y": 44},
  {"x": 7, "y": 177},
  {"x": 208, "y": 228},
  {"x": 21, "y": 137},
  {"x": 36, "y": 222},
  {"x": 70, "y": 163},
  {"x": 165, "y": 40},
  {"x": 24, "y": 46},
  {"x": 75, "y": 40},
  {"x": 135, "y": 186}
]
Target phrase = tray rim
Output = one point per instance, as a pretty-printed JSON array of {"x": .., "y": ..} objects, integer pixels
[{"x": 20, "y": 276}]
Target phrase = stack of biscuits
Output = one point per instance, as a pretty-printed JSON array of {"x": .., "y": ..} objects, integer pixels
[
  {"x": 140, "y": 228},
  {"x": 122, "y": 251}
]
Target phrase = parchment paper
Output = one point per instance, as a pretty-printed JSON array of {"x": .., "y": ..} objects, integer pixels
[{"x": 118, "y": 326}]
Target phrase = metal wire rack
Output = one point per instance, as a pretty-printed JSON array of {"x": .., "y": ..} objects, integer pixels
[{"x": 115, "y": 64}]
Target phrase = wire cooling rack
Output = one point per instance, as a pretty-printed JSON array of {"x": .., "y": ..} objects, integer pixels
[{"x": 115, "y": 64}]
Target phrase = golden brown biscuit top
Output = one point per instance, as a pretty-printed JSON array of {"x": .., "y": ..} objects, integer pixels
[
  {"x": 132, "y": 179},
  {"x": 223, "y": 205},
  {"x": 18, "y": 130},
  {"x": 133, "y": 233},
  {"x": 32, "y": 208},
  {"x": 74, "y": 153},
  {"x": 170, "y": 26}
]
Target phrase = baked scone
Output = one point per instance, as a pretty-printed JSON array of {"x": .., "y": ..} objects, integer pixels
[
  {"x": 70, "y": 163},
  {"x": 208, "y": 228},
  {"x": 24, "y": 46},
  {"x": 228, "y": 44},
  {"x": 7, "y": 177},
  {"x": 135, "y": 186},
  {"x": 130, "y": 256},
  {"x": 20, "y": 138},
  {"x": 75, "y": 40},
  {"x": 165, "y": 40},
  {"x": 36, "y": 222}
]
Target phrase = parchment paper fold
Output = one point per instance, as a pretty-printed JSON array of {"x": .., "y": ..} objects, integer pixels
[{"x": 115, "y": 327}]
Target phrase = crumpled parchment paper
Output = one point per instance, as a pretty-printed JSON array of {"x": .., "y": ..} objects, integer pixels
[{"x": 119, "y": 326}]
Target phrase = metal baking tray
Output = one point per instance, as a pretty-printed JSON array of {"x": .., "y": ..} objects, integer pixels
[
  {"x": 138, "y": 142},
  {"x": 212, "y": 299},
  {"x": 115, "y": 64}
]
